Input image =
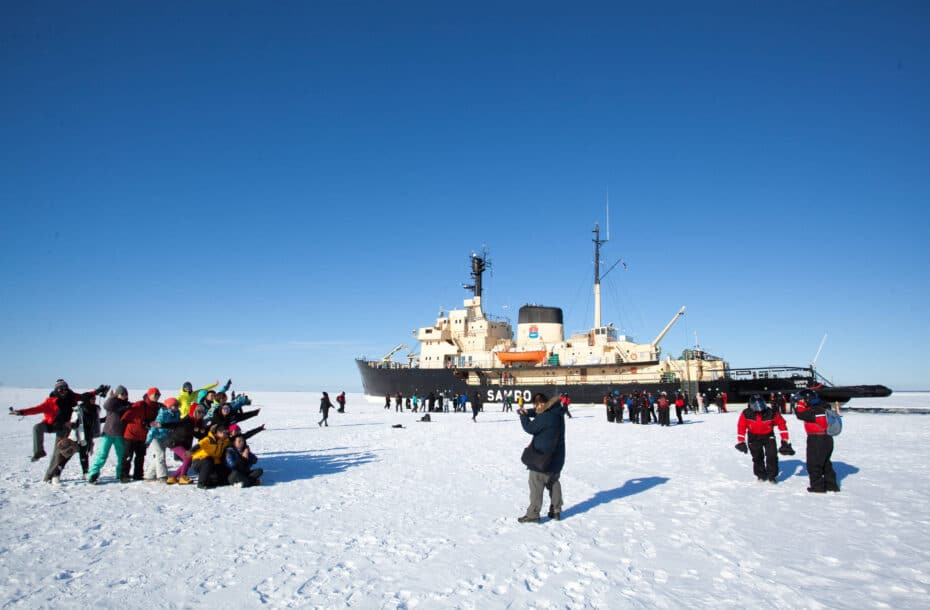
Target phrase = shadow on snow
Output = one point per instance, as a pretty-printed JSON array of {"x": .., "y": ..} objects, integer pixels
[
  {"x": 797, "y": 468},
  {"x": 287, "y": 466},
  {"x": 630, "y": 488}
]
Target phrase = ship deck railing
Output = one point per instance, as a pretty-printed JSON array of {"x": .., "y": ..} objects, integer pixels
[{"x": 769, "y": 372}]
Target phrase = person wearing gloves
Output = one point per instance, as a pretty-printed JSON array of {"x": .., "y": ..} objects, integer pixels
[
  {"x": 56, "y": 412},
  {"x": 759, "y": 421},
  {"x": 813, "y": 412}
]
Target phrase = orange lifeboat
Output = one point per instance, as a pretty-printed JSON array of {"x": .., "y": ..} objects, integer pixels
[{"x": 533, "y": 356}]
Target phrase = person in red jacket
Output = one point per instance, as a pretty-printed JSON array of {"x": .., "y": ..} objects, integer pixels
[
  {"x": 566, "y": 401},
  {"x": 137, "y": 419},
  {"x": 664, "y": 409},
  {"x": 56, "y": 412},
  {"x": 812, "y": 411},
  {"x": 760, "y": 421}
]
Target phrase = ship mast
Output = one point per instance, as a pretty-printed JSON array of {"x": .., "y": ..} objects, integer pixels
[
  {"x": 478, "y": 266},
  {"x": 597, "y": 275}
]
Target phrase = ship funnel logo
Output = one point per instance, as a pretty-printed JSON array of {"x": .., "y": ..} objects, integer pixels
[{"x": 534, "y": 332}]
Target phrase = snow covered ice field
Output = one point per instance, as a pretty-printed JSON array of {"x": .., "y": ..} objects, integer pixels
[{"x": 364, "y": 515}]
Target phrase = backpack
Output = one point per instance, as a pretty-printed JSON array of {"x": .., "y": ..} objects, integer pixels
[{"x": 834, "y": 423}]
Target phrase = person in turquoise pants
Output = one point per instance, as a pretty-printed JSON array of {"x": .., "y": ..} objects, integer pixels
[{"x": 115, "y": 406}]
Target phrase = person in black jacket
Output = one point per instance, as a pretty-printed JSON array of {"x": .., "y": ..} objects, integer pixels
[
  {"x": 239, "y": 461},
  {"x": 475, "y": 406},
  {"x": 225, "y": 416},
  {"x": 546, "y": 422},
  {"x": 325, "y": 406}
]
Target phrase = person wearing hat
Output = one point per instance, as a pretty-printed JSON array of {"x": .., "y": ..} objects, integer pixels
[
  {"x": 188, "y": 395},
  {"x": 813, "y": 412},
  {"x": 137, "y": 419},
  {"x": 181, "y": 435},
  {"x": 56, "y": 412},
  {"x": 157, "y": 441},
  {"x": 113, "y": 428},
  {"x": 546, "y": 422}
]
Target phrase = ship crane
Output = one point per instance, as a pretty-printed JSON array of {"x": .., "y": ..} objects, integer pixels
[
  {"x": 387, "y": 357},
  {"x": 668, "y": 327}
]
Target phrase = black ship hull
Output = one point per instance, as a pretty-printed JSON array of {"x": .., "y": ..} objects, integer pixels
[{"x": 380, "y": 381}]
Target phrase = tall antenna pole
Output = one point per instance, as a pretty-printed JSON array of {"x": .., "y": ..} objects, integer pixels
[
  {"x": 608, "y": 213},
  {"x": 597, "y": 275}
]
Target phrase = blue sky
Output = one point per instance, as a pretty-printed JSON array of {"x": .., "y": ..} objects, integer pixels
[{"x": 264, "y": 191}]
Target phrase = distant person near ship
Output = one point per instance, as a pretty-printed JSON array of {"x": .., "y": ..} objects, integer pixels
[
  {"x": 341, "y": 400},
  {"x": 475, "y": 406},
  {"x": 565, "y": 400}
]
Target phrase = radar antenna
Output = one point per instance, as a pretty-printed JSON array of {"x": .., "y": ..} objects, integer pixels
[{"x": 479, "y": 264}]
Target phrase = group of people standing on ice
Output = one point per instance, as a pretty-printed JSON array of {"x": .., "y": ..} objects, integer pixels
[
  {"x": 645, "y": 407},
  {"x": 199, "y": 427},
  {"x": 435, "y": 402}
]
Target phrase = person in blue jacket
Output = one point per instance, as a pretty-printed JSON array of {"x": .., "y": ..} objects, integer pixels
[{"x": 546, "y": 422}]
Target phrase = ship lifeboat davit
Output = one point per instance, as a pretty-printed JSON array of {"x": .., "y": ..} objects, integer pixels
[{"x": 535, "y": 357}]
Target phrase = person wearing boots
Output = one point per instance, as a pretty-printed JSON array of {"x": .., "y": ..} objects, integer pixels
[
  {"x": 546, "y": 422},
  {"x": 760, "y": 420},
  {"x": 812, "y": 411}
]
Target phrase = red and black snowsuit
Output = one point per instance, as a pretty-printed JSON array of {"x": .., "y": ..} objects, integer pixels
[
  {"x": 760, "y": 426},
  {"x": 819, "y": 447}
]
